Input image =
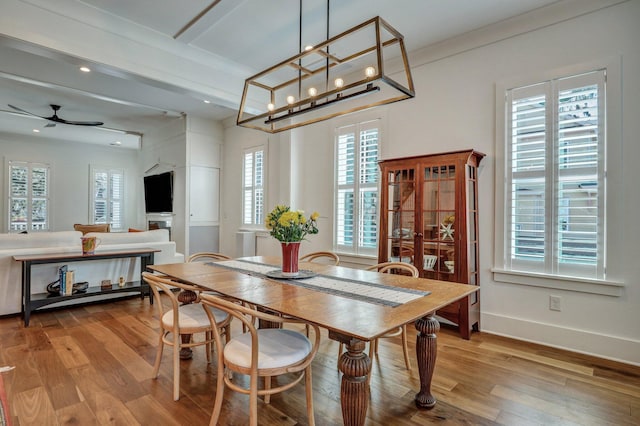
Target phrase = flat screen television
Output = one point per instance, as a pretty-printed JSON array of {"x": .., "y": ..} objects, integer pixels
[{"x": 158, "y": 193}]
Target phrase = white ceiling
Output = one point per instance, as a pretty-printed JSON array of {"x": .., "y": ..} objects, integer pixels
[{"x": 244, "y": 36}]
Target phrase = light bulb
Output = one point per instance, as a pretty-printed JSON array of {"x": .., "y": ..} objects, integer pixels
[
  {"x": 291, "y": 99},
  {"x": 338, "y": 82},
  {"x": 308, "y": 48},
  {"x": 370, "y": 72},
  {"x": 312, "y": 91},
  {"x": 271, "y": 106}
]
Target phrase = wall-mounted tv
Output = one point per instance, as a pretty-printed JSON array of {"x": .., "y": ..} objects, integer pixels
[{"x": 158, "y": 193}]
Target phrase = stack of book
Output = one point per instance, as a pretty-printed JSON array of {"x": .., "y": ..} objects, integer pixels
[{"x": 66, "y": 281}]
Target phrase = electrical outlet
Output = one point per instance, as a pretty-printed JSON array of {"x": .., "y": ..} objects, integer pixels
[{"x": 555, "y": 303}]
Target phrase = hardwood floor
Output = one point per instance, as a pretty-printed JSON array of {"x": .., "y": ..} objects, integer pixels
[{"x": 92, "y": 365}]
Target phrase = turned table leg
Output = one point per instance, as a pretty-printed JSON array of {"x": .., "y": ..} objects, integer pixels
[
  {"x": 354, "y": 391},
  {"x": 426, "y": 350}
]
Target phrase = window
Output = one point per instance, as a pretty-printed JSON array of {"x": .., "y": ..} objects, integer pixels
[
  {"x": 28, "y": 196},
  {"x": 555, "y": 177},
  {"x": 357, "y": 177},
  {"x": 107, "y": 197},
  {"x": 253, "y": 186}
]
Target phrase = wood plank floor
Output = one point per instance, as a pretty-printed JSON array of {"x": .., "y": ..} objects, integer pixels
[{"x": 92, "y": 365}]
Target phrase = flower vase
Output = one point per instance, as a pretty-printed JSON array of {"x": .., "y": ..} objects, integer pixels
[{"x": 290, "y": 258}]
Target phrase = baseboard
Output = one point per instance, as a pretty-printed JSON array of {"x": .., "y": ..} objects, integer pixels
[{"x": 614, "y": 348}]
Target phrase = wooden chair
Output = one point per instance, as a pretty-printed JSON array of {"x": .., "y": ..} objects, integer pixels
[
  {"x": 321, "y": 255},
  {"x": 205, "y": 255},
  {"x": 180, "y": 320},
  {"x": 264, "y": 352},
  {"x": 389, "y": 267},
  {"x": 214, "y": 257}
]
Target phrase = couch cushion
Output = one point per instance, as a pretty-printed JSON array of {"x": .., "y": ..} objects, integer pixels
[
  {"x": 40, "y": 239},
  {"x": 100, "y": 227}
]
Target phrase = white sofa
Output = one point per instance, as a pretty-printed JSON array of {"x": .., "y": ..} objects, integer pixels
[{"x": 91, "y": 271}]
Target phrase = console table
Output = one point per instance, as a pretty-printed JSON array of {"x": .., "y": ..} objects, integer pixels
[{"x": 31, "y": 302}]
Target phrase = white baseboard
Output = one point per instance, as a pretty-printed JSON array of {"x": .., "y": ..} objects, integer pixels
[{"x": 582, "y": 341}]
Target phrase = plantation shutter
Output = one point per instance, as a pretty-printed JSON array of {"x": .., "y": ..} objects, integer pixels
[
  {"x": 253, "y": 186},
  {"x": 108, "y": 197},
  {"x": 345, "y": 220},
  {"x": 28, "y": 196},
  {"x": 556, "y": 177},
  {"x": 357, "y": 188}
]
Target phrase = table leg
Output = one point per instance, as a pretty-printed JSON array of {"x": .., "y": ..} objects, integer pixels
[
  {"x": 26, "y": 292},
  {"x": 186, "y": 297},
  {"x": 354, "y": 391},
  {"x": 426, "y": 350}
]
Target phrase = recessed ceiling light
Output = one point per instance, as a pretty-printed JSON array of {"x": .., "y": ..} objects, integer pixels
[
  {"x": 207, "y": 102},
  {"x": 36, "y": 131},
  {"x": 85, "y": 69},
  {"x": 116, "y": 143}
]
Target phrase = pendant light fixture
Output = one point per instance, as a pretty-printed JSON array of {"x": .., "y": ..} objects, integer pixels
[{"x": 360, "y": 68}]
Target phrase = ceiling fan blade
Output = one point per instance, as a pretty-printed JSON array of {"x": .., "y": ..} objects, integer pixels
[
  {"x": 57, "y": 119},
  {"x": 82, "y": 123},
  {"x": 24, "y": 111}
]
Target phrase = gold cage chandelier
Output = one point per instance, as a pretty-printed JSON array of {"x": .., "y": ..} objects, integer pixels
[{"x": 344, "y": 74}]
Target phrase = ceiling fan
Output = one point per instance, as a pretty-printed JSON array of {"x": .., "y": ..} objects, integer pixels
[{"x": 57, "y": 119}]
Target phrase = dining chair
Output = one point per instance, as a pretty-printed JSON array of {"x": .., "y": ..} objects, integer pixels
[
  {"x": 261, "y": 353},
  {"x": 214, "y": 257},
  {"x": 188, "y": 319},
  {"x": 321, "y": 255},
  {"x": 207, "y": 255},
  {"x": 391, "y": 267}
]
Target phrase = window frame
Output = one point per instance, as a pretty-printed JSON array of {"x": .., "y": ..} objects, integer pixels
[
  {"x": 93, "y": 170},
  {"x": 356, "y": 249},
  {"x": 611, "y": 283},
  {"x": 256, "y": 223},
  {"x": 29, "y": 223}
]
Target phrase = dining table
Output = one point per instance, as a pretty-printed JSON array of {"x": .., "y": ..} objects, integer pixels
[{"x": 356, "y": 306}]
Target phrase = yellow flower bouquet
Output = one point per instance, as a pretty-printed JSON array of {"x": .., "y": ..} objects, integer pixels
[{"x": 288, "y": 225}]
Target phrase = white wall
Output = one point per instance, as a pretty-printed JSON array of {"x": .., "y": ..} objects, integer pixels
[
  {"x": 70, "y": 177},
  {"x": 204, "y": 147},
  {"x": 166, "y": 147},
  {"x": 454, "y": 108}
]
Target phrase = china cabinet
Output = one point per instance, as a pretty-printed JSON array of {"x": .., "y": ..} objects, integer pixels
[{"x": 429, "y": 217}]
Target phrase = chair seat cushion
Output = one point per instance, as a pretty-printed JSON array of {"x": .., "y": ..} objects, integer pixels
[
  {"x": 192, "y": 316},
  {"x": 277, "y": 348}
]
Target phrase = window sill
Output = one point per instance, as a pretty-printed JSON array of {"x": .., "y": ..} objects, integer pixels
[
  {"x": 582, "y": 285},
  {"x": 255, "y": 228}
]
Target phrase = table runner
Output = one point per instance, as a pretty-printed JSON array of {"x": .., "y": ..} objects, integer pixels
[{"x": 360, "y": 290}]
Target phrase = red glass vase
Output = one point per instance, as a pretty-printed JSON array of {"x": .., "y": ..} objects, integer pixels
[{"x": 290, "y": 258}]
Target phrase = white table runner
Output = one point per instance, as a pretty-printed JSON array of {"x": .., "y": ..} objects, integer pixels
[{"x": 360, "y": 290}]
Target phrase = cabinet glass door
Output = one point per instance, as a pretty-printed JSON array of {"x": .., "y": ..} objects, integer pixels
[
  {"x": 401, "y": 215},
  {"x": 438, "y": 209}
]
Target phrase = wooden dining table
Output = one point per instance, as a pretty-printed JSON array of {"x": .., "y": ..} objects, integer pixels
[{"x": 356, "y": 306}]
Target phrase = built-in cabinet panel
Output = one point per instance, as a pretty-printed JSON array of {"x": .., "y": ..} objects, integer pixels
[
  {"x": 204, "y": 239},
  {"x": 204, "y": 195}
]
